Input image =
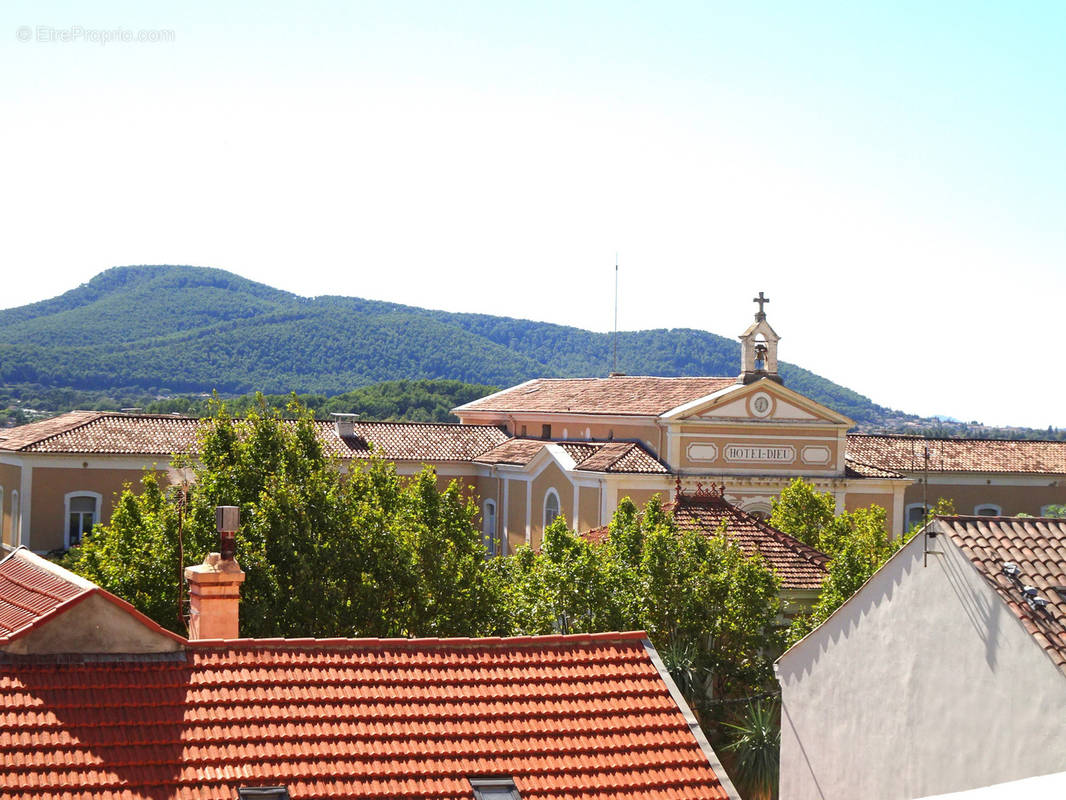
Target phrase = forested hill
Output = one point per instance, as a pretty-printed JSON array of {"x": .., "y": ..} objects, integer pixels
[{"x": 172, "y": 329}]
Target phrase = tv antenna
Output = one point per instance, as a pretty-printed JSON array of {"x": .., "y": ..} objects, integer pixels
[{"x": 614, "y": 362}]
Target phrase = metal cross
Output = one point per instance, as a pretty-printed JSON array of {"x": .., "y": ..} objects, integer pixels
[{"x": 760, "y": 300}]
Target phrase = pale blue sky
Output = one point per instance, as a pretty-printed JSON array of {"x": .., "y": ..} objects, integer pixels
[{"x": 892, "y": 177}]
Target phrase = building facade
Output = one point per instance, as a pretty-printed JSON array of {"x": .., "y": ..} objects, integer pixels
[
  {"x": 946, "y": 671},
  {"x": 569, "y": 447}
]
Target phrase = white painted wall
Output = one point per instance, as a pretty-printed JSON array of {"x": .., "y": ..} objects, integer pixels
[{"x": 923, "y": 683}]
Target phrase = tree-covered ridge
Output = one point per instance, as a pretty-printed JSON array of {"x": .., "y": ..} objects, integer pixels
[
  {"x": 172, "y": 329},
  {"x": 394, "y": 401}
]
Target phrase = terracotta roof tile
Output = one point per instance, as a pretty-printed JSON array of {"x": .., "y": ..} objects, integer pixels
[
  {"x": 906, "y": 454},
  {"x": 1038, "y": 547},
  {"x": 414, "y": 441},
  {"x": 513, "y": 451},
  {"x": 566, "y": 717},
  {"x": 857, "y": 469},
  {"x": 24, "y": 435},
  {"x": 628, "y": 457},
  {"x": 163, "y": 435},
  {"x": 31, "y": 590},
  {"x": 624, "y": 395},
  {"x": 622, "y": 457},
  {"x": 799, "y": 567}
]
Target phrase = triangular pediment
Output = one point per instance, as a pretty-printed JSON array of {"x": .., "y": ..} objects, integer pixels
[
  {"x": 764, "y": 401},
  {"x": 95, "y": 622}
]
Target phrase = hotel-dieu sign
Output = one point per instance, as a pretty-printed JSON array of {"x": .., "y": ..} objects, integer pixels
[{"x": 763, "y": 454}]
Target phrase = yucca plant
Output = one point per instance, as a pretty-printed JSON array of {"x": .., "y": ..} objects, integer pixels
[
  {"x": 754, "y": 739},
  {"x": 682, "y": 662}
]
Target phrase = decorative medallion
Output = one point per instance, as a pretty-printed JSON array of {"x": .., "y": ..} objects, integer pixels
[{"x": 761, "y": 405}]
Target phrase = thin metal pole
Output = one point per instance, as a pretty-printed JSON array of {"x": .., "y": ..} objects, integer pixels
[{"x": 614, "y": 368}]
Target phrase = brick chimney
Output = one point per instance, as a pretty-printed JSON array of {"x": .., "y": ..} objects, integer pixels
[
  {"x": 214, "y": 598},
  {"x": 215, "y": 585}
]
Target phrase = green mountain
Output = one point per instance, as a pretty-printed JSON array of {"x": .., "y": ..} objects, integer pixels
[{"x": 174, "y": 329}]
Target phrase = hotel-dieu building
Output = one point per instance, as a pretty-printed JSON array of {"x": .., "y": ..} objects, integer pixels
[{"x": 568, "y": 446}]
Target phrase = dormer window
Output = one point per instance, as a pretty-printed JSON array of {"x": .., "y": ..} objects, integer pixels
[
  {"x": 262, "y": 793},
  {"x": 494, "y": 789}
]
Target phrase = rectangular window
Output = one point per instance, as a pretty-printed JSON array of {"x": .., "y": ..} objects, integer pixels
[
  {"x": 545, "y": 431},
  {"x": 82, "y": 518}
]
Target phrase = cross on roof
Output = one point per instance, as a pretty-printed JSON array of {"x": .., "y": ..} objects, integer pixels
[{"x": 760, "y": 300}]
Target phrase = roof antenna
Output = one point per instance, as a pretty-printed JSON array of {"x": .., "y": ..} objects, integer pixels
[{"x": 614, "y": 367}]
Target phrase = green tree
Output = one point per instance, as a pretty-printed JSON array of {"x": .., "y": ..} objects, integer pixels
[
  {"x": 708, "y": 606},
  {"x": 803, "y": 512},
  {"x": 141, "y": 564},
  {"x": 857, "y": 543},
  {"x": 325, "y": 554}
]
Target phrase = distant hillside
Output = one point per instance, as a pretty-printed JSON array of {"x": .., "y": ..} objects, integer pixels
[
  {"x": 183, "y": 330},
  {"x": 430, "y": 400}
]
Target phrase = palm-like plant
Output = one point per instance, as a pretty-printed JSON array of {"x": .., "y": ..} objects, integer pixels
[
  {"x": 755, "y": 742},
  {"x": 682, "y": 662}
]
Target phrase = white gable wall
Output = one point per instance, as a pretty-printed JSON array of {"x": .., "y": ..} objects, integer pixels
[{"x": 923, "y": 683}]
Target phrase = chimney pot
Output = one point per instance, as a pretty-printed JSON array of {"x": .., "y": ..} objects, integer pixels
[
  {"x": 227, "y": 520},
  {"x": 344, "y": 424}
]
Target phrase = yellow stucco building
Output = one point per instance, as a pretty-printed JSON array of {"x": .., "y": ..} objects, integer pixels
[{"x": 570, "y": 447}]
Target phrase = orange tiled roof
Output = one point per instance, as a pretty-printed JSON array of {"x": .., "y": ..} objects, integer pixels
[
  {"x": 586, "y": 717},
  {"x": 24, "y": 436},
  {"x": 414, "y": 441},
  {"x": 623, "y": 395},
  {"x": 1038, "y": 547},
  {"x": 619, "y": 457},
  {"x": 29, "y": 592},
  {"x": 906, "y": 453},
  {"x": 796, "y": 564},
  {"x": 110, "y": 433},
  {"x": 856, "y": 469},
  {"x": 799, "y": 567}
]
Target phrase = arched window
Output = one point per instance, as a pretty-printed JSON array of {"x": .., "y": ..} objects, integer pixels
[
  {"x": 988, "y": 510},
  {"x": 551, "y": 507},
  {"x": 913, "y": 515},
  {"x": 488, "y": 528},
  {"x": 82, "y": 512}
]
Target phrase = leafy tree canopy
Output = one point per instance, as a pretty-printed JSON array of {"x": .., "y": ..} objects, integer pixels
[
  {"x": 857, "y": 543},
  {"x": 325, "y": 555},
  {"x": 706, "y": 605}
]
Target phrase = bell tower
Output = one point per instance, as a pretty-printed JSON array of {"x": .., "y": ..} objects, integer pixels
[{"x": 758, "y": 348}]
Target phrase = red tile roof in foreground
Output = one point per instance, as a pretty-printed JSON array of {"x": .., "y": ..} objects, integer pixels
[
  {"x": 617, "y": 457},
  {"x": 622, "y": 395},
  {"x": 906, "y": 454},
  {"x": 1038, "y": 547},
  {"x": 30, "y": 591},
  {"x": 575, "y": 717},
  {"x": 110, "y": 433},
  {"x": 800, "y": 568}
]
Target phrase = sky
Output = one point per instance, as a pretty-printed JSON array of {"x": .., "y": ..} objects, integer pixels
[{"x": 892, "y": 175}]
